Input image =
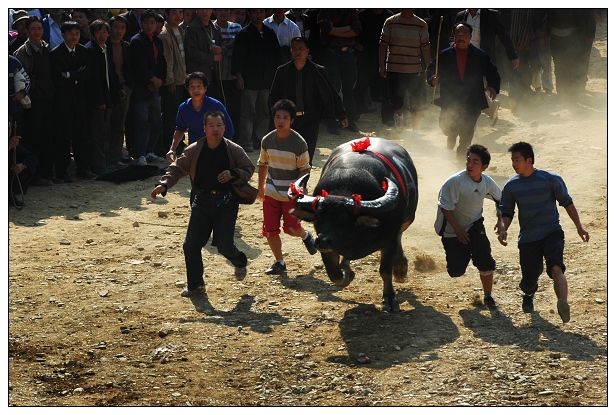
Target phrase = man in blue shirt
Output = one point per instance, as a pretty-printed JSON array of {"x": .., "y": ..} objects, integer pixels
[
  {"x": 536, "y": 192},
  {"x": 191, "y": 112}
]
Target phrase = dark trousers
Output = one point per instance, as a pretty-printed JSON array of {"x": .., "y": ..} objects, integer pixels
[
  {"x": 571, "y": 59},
  {"x": 209, "y": 214},
  {"x": 100, "y": 136},
  {"x": 70, "y": 128},
  {"x": 232, "y": 100},
  {"x": 169, "y": 103},
  {"x": 38, "y": 138},
  {"x": 146, "y": 122},
  {"x": 342, "y": 70},
  {"x": 367, "y": 79},
  {"x": 456, "y": 122},
  {"x": 308, "y": 127}
]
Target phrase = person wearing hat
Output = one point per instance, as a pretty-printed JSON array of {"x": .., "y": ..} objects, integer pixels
[{"x": 19, "y": 25}]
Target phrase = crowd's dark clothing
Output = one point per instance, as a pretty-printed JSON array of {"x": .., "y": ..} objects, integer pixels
[
  {"x": 571, "y": 33},
  {"x": 16, "y": 43},
  {"x": 340, "y": 57},
  {"x": 319, "y": 98},
  {"x": 197, "y": 43},
  {"x": 99, "y": 93},
  {"x": 314, "y": 40},
  {"x": 330, "y": 18},
  {"x": 256, "y": 57},
  {"x": 21, "y": 155},
  {"x": 134, "y": 25},
  {"x": 449, "y": 19},
  {"x": 70, "y": 105},
  {"x": 144, "y": 64},
  {"x": 491, "y": 27},
  {"x": 368, "y": 58}
]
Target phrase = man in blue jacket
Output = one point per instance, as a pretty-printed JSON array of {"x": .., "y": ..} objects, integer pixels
[{"x": 461, "y": 72}]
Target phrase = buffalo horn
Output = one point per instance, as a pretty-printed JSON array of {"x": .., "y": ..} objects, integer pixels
[
  {"x": 383, "y": 204},
  {"x": 304, "y": 202}
]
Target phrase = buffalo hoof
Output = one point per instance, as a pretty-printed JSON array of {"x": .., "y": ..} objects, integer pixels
[
  {"x": 344, "y": 282},
  {"x": 400, "y": 272},
  {"x": 390, "y": 304},
  {"x": 399, "y": 279}
]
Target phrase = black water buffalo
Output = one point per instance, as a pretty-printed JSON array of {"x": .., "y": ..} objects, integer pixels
[{"x": 366, "y": 197}]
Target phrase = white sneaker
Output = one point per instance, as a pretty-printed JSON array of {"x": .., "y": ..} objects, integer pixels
[
  {"x": 151, "y": 157},
  {"x": 141, "y": 161}
]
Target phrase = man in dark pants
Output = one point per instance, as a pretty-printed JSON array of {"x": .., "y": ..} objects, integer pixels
[
  {"x": 70, "y": 70},
  {"x": 149, "y": 69},
  {"x": 309, "y": 87},
  {"x": 462, "y": 68},
  {"x": 338, "y": 30},
  {"x": 256, "y": 56},
  {"x": 220, "y": 171},
  {"x": 372, "y": 21}
]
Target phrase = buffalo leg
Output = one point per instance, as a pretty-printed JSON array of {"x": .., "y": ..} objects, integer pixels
[
  {"x": 331, "y": 260},
  {"x": 401, "y": 264},
  {"x": 390, "y": 302}
]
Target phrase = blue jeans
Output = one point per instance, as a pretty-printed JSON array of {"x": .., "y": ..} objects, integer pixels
[
  {"x": 342, "y": 70},
  {"x": 211, "y": 213},
  {"x": 147, "y": 122}
]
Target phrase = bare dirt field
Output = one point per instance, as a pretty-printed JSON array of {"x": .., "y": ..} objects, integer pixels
[{"x": 95, "y": 271}]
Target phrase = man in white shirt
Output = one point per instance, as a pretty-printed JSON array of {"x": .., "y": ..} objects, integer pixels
[
  {"x": 285, "y": 31},
  {"x": 459, "y": 219}
]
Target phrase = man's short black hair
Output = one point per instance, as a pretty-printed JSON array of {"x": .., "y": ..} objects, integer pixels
[
  {"x": 118, "y": 18},
  {"x": 525, "y": 149},
  {"x": 147, "y": 14},
  {"x": 32, "y": 19},
  {"x": 215, "y": 113},
  {"x": 300, "y": 39},
  {"x": 196, "y": 75},
  {"x": 481, "y": 151},
  {"x": 99, "y": 24},
  {"x": 69, "y": 25},
  {"x": 285, "y": 105},
  {"x": 469, "y": 27}
]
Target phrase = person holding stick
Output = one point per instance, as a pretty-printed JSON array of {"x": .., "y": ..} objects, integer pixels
[{"x": 462, "y": 68}]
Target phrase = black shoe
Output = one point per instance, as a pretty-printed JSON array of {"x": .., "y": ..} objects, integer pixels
[
  {"x": 276, "y": 269},
  {"x": 352, "y": 127},
  {"x": 67, "y": 178},
  {"x": 489, "y": 302},
  {"x": 192, "y": 293},
  {"x": 527, "y": 303},
  {"x": 309, "y": 243}
]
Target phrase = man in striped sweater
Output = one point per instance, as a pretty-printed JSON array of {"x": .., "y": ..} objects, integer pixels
[
  {"x": 283, "y": 159},
  {"x": 405, "y": 42}
]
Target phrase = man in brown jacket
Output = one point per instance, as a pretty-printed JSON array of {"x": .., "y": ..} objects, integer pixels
[{"x": 220, "y": 171}]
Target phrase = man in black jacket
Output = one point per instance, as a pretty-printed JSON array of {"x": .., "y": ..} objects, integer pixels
[
  {"x": 256, "y": 56},
  {"x": 309, "y": 87},
  {"x": 149, "y": 69},
  {"x": 70, "y": 69},
  {"x": 461, "y": 72}
]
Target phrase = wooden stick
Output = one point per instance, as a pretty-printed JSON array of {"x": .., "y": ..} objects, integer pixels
[{"x": 438, "y": 45}]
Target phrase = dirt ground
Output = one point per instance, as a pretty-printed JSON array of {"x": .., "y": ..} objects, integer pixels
[{"x": 96, "y": 269}]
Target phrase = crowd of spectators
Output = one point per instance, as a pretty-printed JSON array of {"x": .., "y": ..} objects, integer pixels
[{"x": 101, "y": 88}]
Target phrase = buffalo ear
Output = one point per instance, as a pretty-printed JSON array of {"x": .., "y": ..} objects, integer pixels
[
  {"x": 303, "y": 215},
  {"x": 368, "y": 221}
]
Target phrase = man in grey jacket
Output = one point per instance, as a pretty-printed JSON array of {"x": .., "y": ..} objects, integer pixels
[{"x": 220, "y": 184}]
